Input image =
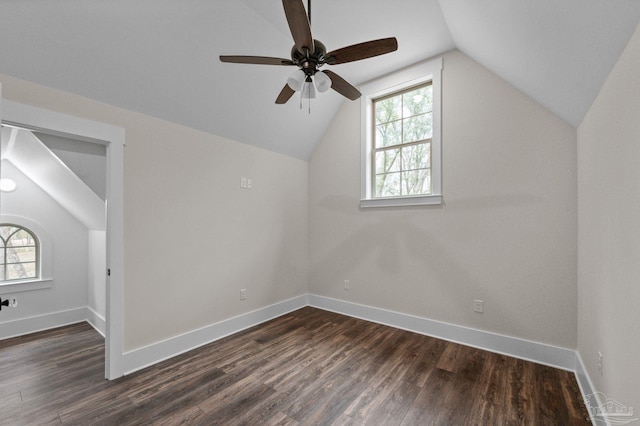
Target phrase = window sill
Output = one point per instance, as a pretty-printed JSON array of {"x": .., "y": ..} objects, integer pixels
[
  {"x": 420, "y": 200},
  {"x": 26, "y": 285}
]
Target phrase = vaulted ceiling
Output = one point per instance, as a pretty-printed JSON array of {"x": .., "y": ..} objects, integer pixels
[{"x": 160, "y": 57}]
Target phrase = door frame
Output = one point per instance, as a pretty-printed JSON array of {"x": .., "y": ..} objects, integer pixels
[{"x": 113, "y": 138}]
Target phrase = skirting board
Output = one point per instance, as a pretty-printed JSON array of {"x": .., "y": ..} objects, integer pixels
[
  {"x": 540, "y": 353},
  {"x": 96, "y": 321},
  {"x": 140, "y": 358},
  {"x": 531, "y": 351},
  {"x": 19, "y": 327},
  {"x": 589, "y": 394}
]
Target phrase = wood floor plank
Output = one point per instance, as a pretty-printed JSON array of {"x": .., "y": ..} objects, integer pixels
[{"x": 307, "y": 367}]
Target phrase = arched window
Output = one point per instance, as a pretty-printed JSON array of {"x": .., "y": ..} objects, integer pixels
[{"x": 19, "y": 253}]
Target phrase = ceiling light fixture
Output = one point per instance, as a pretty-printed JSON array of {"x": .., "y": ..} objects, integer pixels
[
  {"x": 7, "y": 185},
  {"x": 296, "y": 80},
  {"x": 323, "y": 82},
  {"x": 308, "y": 89}
]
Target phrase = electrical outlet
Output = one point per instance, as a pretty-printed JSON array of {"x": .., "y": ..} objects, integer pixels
[
  {"x": 249, "y": 184},
  {"x": 478, "y": 306},
  {"x": 13, "y": 301},
  {"x": 243, "y": 294},
  {"x": 600, "y": 358},
  {"x": 243, "y": 182},
  {"x": 347, "y": 285}
]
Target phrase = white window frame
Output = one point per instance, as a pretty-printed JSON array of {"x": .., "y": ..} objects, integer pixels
[
  {"x": 44, "y": 279},
  {"x": 396, "y": 82}
]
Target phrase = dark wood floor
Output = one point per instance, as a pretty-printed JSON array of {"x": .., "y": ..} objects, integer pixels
[{"x": 307, "y": 367}]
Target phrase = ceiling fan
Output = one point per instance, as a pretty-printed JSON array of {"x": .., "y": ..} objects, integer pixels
[{"x": 309, "y": 55}]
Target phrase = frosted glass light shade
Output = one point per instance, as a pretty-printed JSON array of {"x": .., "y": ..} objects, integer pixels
[
  {"x": 309, "y": 90},
  {"x": 296, "y": 80},
  {"x": 323, "y": 82}
]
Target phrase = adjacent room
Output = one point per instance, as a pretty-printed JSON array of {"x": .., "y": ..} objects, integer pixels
[{"x": 320, "y": 212}]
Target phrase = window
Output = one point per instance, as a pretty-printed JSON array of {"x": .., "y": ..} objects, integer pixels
[
  {"x": 401, "y": 151},
  {"x": 19, "y": 253},
  {"x": 401, "y": 138}
]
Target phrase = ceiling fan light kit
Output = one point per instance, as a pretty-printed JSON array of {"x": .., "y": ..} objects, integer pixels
[
  {"x": 308, "y": 90},
  {"x": 323, "y": 82},
  {"x": 309, "y": 55},
  {"x": 296, "y": 80}
]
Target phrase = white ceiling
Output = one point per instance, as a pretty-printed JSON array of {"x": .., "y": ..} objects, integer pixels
[{"x": 160, "y": 57}]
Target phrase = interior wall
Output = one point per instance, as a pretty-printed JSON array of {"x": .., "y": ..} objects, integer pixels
[
  {"x": 68, "y": 242},
  {"x": 193, "y": 237},
  {"x": 609, "y": 232},
  {"x": 505, "y": 234}
]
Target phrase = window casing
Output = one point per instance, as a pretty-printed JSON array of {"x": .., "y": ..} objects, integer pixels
[
  {"x": 19, "y": 253},
  {"x": 401, "y": 138}
]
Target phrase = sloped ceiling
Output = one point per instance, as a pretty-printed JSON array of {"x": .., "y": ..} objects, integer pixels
[
  {"x": 160, "y": 57},
  {"x": 29, "y": 155}
]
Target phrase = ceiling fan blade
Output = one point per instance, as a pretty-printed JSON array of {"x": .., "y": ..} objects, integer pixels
[
  {"x": 359, "y": 51},
  {"x": 259, "y": 60},
  {"x": 285, "y": 94},
  {"x": 342, "y": 86},
  {"x": 299, "y": 25}
]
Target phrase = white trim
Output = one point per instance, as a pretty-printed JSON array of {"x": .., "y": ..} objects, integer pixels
[
  {"x": 430, "y": 70},
  {"x": 26, "y": 285},
  {"x": 146, "y": 356},
  {"x": 96, "y": 321},
  {"x": 421, "y": 200},
  {"x": 585, "y": 384},
  {"x": 43, "y": 322},
  {"x": 114, "y": 138},
  {"x": 540, "y": 353}
]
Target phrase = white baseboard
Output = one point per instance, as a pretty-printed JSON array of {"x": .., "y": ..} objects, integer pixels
[
  {"x": 36, "y": 323},
  {"x": 97, "y": 321},
  {"x": 540, "y": 353},
  {"x": 589, "y": 394},
  {"x": 157, "y": 352}
]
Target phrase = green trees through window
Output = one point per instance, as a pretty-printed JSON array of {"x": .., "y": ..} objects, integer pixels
[
  {"x": 18, "y": 253},
  {"x": 402, "y": 142}
]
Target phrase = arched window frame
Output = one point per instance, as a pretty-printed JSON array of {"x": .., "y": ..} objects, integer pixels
[
  {"x": 45, "y": 254},
  {"x": 5, "y": 253}
]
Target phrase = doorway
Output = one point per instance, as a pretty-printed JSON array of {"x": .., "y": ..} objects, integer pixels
[{"x": 113, "y": 139}]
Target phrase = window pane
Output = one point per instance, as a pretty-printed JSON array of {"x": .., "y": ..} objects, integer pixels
[
  {"x": 418, "y": 101},
  {"x": 388, "y": 161},
  {"x": 388, "y": 185},
  {"x": 416, "y": 182},
  {"x": 2, "y": 272},
  {"x": 389, "y": 134},
  {"x": 418, "y": 128},
  {"x": 21, "y": 270},
  {"x": 5, "y": 231},
  {"x": 416, "y": 156},
  {"x": 21, "y": 238},
  {"x": 388, "y": 110},
  {"x": 21, "y": 254}
]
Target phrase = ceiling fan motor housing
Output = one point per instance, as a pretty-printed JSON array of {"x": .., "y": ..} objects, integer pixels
[{"x": 310, "y": 62}]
